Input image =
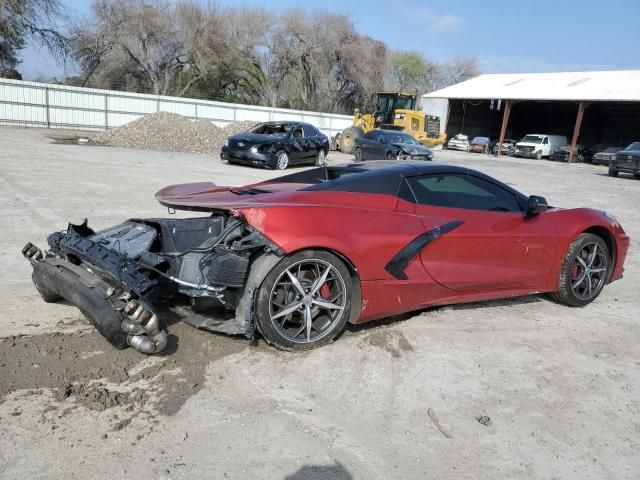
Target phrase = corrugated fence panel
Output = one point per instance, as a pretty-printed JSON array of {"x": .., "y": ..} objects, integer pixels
[{"x": 62, "y": 106}]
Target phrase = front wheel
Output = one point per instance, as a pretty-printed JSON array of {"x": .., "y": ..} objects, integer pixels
[
  {"x": 538, "y": 155},
  {"x": 321, "y": 159},
  {"x": 357, "y": 153},
  {"x": 584, "y": 271},
  {"x": 282, "y": 160},
  {"x": 305, "y": 301},
  {"x": 613, "y": 172}
]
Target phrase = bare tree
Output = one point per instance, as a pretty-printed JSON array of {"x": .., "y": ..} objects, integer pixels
[
  {"x": 164, "y": 45},
  {"x": 24, "y": 20},
  {"x": 457, "y": 70}
]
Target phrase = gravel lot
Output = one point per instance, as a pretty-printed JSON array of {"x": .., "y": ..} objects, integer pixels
[{"x": 561, "y": 386}]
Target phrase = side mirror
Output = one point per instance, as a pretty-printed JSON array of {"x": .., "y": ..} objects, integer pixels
[{"x": 537, "y": 205}]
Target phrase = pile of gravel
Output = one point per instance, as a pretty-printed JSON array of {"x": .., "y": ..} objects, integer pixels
[{"x": 171, "y": 132}]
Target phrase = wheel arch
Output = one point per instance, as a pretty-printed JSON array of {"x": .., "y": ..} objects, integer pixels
[{"x": 609, "y": 239}]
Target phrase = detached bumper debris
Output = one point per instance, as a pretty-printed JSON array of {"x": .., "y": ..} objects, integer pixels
[{"x": 120, "y": 277}]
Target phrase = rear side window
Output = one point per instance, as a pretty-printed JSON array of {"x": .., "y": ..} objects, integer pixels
[
  {"x": 462, "y": 191},
  {"x": 311, "y": 131}
]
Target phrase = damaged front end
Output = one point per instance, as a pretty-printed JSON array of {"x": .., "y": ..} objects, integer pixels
[{"x": 205, "y": 270}]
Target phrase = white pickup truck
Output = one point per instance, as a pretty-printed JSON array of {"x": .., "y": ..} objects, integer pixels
[{"x": 537, "y": 145}]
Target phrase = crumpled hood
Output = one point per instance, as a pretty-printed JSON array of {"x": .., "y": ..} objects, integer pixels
[
  {"x": 409, "y": 147},
  {"x": 255, "y": 138}
]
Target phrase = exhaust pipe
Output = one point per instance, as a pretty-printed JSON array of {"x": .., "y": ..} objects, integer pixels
[{"x": 143, "y": 329}]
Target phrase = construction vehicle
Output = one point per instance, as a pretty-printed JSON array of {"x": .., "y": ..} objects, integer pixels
[{"x": 394, "y": 111}]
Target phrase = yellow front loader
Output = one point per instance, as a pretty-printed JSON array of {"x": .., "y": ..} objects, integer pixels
[{"x": 394, "y": 111}]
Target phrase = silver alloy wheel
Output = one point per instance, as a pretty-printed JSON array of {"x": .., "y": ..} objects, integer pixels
[
  {"x": 307, "y": 301},
  {"x": 322, "y": 158},
  {"x": 283, "y": 161},
  {"x": 589, "y": 271}
]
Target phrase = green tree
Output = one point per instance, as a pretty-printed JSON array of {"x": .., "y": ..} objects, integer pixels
[{"x": 412, "y": 72}]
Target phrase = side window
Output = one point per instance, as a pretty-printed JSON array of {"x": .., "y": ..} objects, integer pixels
[
  {"x": 371, "y": 135},
  {"x": 462, "y": 191},
  {"x": 297, "y": 132},
  {"x": 545, "y": 141},
  {"x": 310, "y": 131}
]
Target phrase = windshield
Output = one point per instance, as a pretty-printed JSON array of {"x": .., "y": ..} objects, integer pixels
[
  {"x": 387, "y": 103},
  {"x": 634, "y": 147},
  {"x": 480, "y": 140},
  {"x": 532, "y": 139},
  {"x": 400, "y": 138},
  {"x": 271, "y": 128}
]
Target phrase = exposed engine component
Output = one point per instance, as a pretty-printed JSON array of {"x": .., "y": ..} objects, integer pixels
[
  {"x": 117, "y": 275},
  {"x": 143, "y": 329}
]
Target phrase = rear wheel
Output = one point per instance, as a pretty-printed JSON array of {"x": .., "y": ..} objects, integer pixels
[
  {"x": 305, "y": 301},
  {"x": 612, "y": 171},
  {"x": 584, "y": 271},
  {"x": 348, "y": 139},
  {"x": 357, "y": 153},
  {"x": 282, "y": 160}
]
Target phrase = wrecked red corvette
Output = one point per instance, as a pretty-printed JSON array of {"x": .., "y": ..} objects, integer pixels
[{"x": 297, "y": 257}]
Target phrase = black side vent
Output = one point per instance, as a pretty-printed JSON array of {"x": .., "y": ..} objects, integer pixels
[{"x": 248, "y": 191}]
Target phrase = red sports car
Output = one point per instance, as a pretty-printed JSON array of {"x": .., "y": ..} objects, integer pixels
[{"x": 297, "y": 257}]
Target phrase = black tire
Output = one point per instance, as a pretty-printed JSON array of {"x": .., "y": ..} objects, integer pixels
[
  {"x": 271, "y": 292},
  {"x": 568, "y": 291},
  {"x": 321, "y": 158},
  {"x": 333, "y": 144},
  {"x": 348, "y": 139},
  {"x": 357, "y": 153},
  {"x": 390, "y": 156},
  {"x": 637, "y": 175},
  {"x": 613, "y": 172}
]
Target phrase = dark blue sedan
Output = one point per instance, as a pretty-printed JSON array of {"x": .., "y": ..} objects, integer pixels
[{"x": 391, "y": 145}]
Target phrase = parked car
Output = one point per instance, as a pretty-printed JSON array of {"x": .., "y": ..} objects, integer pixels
[
  {"x": 277, "y": 145},
  {"x": 389, "y": 144},
  {"x": 508, "y": 147},
  {"x": 459, "y": 142},
  {"x": 480, "y": 145},
  {"x": 539, "y": 145},
  {"x": 603, "y": 155},
  {"x": 626, "y": 161},
  {"x": 562, "y": 154},
  {"x": 296, "y": 258}
]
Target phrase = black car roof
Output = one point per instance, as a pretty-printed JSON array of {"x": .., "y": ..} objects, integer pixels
[{"x": 376, "y": 176}]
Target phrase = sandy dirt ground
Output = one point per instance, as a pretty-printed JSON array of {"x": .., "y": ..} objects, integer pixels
[{"x": 561, "y": 386}]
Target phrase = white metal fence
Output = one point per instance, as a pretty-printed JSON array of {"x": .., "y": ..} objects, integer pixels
[{"x": 59, "y": 106}]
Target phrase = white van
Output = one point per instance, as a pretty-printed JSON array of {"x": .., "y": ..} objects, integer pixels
[{"x": 538, "y": 145}]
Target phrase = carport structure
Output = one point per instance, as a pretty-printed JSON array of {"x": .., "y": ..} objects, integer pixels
[{"x": 588, "y": 107}]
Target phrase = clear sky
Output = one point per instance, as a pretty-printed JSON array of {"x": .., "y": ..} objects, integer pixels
[{"x": 503, "y": 35}]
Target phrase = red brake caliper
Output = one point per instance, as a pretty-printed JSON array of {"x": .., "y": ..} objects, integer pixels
[
  {"x": 574, "y": 271},
  {"x": 325, "y": 291}
]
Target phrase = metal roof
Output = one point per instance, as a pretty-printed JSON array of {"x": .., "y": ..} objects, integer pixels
[{"x": 613, "y": 86}]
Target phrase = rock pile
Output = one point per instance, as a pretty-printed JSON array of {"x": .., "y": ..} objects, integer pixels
[{"x": 171, "y": 132}]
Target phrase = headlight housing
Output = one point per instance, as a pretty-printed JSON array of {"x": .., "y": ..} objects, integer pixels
[
  {"x": 614, "y": 157},
  {"x": 254, "y": 149},
  {"x": 225, "y": 143}
]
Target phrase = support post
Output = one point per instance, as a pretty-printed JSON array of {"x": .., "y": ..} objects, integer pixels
[
  {"x": 46, "y": 102},
  {"x": 106, "y": 112},
  {"x": 505, "y": 122},
  {"x": 576, "y": 130},
  {"x": 446, "y": 120}
]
